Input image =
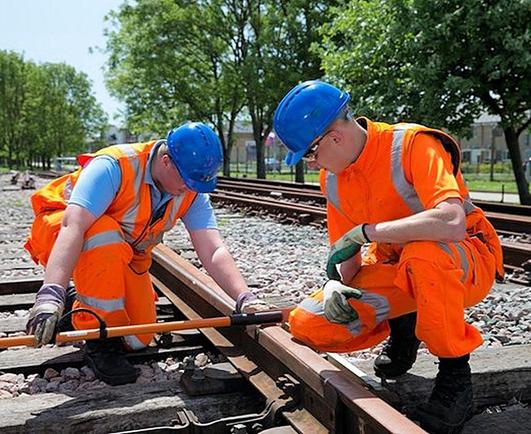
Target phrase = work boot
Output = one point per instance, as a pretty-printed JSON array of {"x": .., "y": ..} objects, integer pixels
[
  {"x": 106, "y": 357},
  {"x": 400, "y": 351},
  {"x": 451, "y": 401}
]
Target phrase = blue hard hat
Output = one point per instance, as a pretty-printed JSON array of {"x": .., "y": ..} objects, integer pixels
[
  {"x": 197, "y": 153},
  {"x": 305, "y": 113}
]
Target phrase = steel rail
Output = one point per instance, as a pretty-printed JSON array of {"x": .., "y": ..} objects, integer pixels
[
  {"x": 502, "y": 218},
  {"x": 313, "y": 191},
  {"x": 331, "y": 396}
]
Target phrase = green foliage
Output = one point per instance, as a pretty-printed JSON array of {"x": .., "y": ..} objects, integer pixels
[
  {"x": 47, "y": 110},
  {"x": 172, "y": 61},
  {"x": 169, "y": 61},
  {"x": 438, "y": 62}
]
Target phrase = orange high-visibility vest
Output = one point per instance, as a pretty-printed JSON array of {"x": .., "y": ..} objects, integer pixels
[
  {"x": 131, "y": 207},
  {"x": 374, "y": 195}
]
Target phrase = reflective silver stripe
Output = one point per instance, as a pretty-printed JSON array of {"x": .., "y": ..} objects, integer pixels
[
  {"x": 134, "y": 343},
  {"x": 127, "y": 149},
  {"x": 464, "y": 261},
  {"x": 104, "y": 305},
  {"x": 354, "y": 327},
  {"x": 317, "y": 308},
  {"x": 377, "y": 301},
  {"x": 380, "y": 304},
  {"x": 462, "y": 256},
  {"x": 402, "y": 186},
  {"x": 130, "y": 216},
  {"x": 468, "y": 205},
  {"x": 447, "y": 249},
  {"x": 102, "y": 239},
  {"x": 67, "y": 191},
  {"x": 331, "y": 190},
  {"x": 177, "y": 202}
]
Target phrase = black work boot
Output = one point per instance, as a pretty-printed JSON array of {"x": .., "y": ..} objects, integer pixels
[
  {"x": 451, "y": 401},
  {"x": 106, "y": 357},
  {"x": 400, "y": 351}
]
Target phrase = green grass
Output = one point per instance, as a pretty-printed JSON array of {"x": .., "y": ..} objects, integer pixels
[
  {"x": 493, "y": 186},
  {"x": 475, "y": 181},
  {"x": 308, "y": 177}
]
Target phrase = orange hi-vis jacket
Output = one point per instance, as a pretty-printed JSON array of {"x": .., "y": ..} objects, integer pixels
[
  {"x": 110, "y": 276},
  {"x": 405, "y": 169},
  {"x": 132, "y": 204},
  {"x": 372, "y": 195}
]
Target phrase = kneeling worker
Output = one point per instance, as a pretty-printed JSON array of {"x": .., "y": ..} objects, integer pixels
[
  {"x": 432, "y": 252},
  {"x": 99, "y": 225}
]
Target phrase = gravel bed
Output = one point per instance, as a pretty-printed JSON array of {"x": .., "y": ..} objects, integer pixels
[
  {"x": 276, "y": 259},
  {"x": 76, "y": 382}
]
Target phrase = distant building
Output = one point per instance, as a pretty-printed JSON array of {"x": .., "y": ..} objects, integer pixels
[
  {"x": 244, "y": 148},
  {"x": 486, "y": 134}
]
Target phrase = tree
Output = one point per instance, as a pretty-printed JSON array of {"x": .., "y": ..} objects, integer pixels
[
  {"x": 46, "y": 110},
  {"x": 278, "y": 40},
  {"x": 171, "y": 61},
  {"x": 12, "y": 96},
  {"x": 67, "y": 114},
  {"x": 177, "y": 60},
  {"x": 401, "y": 60}
]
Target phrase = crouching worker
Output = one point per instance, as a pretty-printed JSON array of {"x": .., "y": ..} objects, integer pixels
[
  {"x": 99, "y": 225},
  {"x": 432, "y": 252}
]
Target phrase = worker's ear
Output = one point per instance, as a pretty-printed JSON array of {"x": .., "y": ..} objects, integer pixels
[
  {"x": 166, "y": 160},
  {"x": 335, "y": 136}
]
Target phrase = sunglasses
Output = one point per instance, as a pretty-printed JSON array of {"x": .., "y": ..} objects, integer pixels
[{"x": 311, "y": 154}]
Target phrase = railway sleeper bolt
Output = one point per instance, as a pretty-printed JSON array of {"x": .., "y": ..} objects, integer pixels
[
  {"x": 289, "y": 385},
  {"x": 239, "y": 429}
]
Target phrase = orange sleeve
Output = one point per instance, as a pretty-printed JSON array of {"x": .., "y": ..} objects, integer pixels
[{"x": 431, "y": 172}]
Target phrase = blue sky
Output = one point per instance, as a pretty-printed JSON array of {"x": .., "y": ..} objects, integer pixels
[{"x": 61, "y": 31}]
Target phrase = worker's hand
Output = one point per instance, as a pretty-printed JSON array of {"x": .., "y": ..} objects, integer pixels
[
  {"x": 345, "y": 248},
  {"x": 247, "y": 302},
  {"x": 45, "y": 313},
  {"x": 337, "y": 309}
]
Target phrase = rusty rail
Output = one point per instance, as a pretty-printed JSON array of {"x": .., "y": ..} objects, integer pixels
[{"x": 324, "y": 399}]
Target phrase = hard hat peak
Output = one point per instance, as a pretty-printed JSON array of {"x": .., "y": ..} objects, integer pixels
[{"x": 305, "y": 113}]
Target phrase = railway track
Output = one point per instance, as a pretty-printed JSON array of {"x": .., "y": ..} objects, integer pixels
[
  {"x": 278, "y": 382},
  {"x": 265, "y": 380},
  {"x": 313, "y": 192},
  {"x": 505, "y": 217}
]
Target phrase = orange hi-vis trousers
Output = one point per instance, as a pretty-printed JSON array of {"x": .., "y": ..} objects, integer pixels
[
  {"x": 438, "y": 280},
  {"x": 110, "y": 279}
]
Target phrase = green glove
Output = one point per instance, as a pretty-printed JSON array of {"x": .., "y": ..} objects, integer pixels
[
  {"x": 336, "y": 306},
  {"x": 345, "y": 248}
]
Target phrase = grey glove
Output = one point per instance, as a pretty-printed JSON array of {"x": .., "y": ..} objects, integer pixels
[
  {"x": 247, "y": 302},
  {"x": 242, "y": 298},
  {"x": 45, "y": 313},
  {"x": 336, "y": 306}
]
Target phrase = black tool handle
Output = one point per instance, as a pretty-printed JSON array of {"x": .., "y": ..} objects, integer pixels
[{"x": 256, "y": 318}]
